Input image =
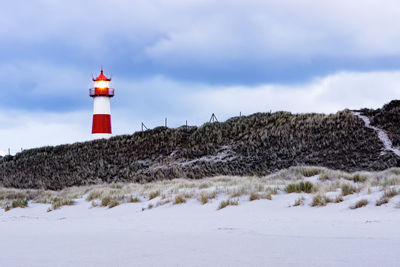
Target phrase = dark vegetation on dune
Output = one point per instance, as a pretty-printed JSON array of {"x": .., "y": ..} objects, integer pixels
[
  {"x": 387, "y": 118},
  {"x": 249, "y": 145}
]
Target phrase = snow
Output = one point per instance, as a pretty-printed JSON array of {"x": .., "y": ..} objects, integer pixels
[
  {"x": 256, "y": 233},
  {"x": 381, "y": 134},
  {"x": 313, "y": 179},
  {"x": 225, "y": 154}
]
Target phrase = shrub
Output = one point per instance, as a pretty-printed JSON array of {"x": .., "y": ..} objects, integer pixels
[
  {"x": 299, "y": 201},
  {"x": 212, "y": 195},
  {"x": 229, "y": 202},
  {"x": 110, "y": 202},
  {"x": 348, "y": 189},
  {"x": 254, "y": 196},
  {"x": 291, "y": 188},
  {"x": 390, "y": 193},
  {"x": 320, "y": 200},
  {"x": 113, "y": 203},
  {"x": 305, "y": 187},
  {"x": 203, "y": 198},
  {"x": 154, "y": 194},
  {"x": 359, "y": 204},
  {"x": 95, "y": 194},
  {"x": 132, "y": 199},
  {"x": 257, "y": 196},
  {"x": 339, "y": 199},
  {"x": 179, "y": 199},
  {"x": 381, "y": 201},
  {"x": 56, "y": 203},
  {"x": 387, "y": 195},
  {"x": 360, "y": 177},
  {"x": 17, "y": 203},
  {"x": 105, "y": 201}
]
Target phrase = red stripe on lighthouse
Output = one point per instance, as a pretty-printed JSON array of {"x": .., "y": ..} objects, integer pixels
[{"x": 101, "y": 123}]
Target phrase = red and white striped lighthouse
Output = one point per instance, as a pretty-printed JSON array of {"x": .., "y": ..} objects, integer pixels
[{"x": 101, "y": 93}]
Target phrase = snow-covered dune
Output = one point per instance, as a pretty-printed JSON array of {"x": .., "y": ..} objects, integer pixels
[{"x": 254, "y": 233}]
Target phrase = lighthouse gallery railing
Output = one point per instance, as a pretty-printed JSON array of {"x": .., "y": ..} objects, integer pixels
[{"x": 101, "y": 92}]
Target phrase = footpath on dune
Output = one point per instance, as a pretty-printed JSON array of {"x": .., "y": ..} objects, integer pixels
[{"x": 387, "y": 143}]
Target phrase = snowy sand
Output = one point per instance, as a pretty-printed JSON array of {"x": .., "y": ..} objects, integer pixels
[{"x": 257, "y": 233}]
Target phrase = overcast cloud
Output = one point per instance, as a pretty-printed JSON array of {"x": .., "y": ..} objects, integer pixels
[{"x": 186, "y": 59}]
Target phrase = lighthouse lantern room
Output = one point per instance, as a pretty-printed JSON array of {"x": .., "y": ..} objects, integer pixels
[{"x": 101, "y": 93}]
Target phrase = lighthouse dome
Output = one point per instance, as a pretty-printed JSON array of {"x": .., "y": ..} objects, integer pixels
[{"x": 102, "y": 77}]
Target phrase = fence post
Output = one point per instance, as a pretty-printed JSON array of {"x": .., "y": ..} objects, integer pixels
[
  {"x": 213, "y": 118},
  {"x": 144, "y": 127}
]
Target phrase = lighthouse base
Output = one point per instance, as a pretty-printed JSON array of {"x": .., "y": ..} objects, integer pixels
[{"x": 101, "y": 136}]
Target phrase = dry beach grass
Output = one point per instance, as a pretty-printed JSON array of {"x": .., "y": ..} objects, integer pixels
[{"x": 322, "y": 185}]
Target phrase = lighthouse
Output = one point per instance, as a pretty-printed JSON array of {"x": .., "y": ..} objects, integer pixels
[{"x": 101, "y": 93}]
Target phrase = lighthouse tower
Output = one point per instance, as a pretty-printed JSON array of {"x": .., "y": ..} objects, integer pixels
[{"x": 101, "y": 93}]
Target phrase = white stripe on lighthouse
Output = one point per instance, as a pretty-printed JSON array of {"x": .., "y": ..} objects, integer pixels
[
  {"x": 101, "y": 136},
  {"x": 101, "y": 105}
]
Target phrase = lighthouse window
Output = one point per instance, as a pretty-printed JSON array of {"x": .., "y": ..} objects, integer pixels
[{"x": 101, "y": 84}]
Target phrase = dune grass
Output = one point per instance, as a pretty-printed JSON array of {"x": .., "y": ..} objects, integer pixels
[
  {"x": 207, "y": 190},
  {"x": 229, "y": 202},
  {"x": 306, "y": 187},
  {"x": 359, "y": 204}
]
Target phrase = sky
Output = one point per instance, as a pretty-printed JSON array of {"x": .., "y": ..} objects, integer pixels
[{"x": 186, "y": 59}]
